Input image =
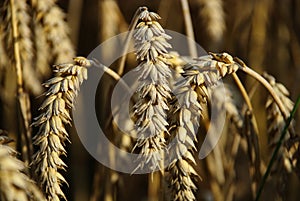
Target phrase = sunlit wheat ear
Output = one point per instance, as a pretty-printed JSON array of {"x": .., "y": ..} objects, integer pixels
[
  {"x": 184, "y": 122},
  {"x": 14, "y": 184},
  {"x": 52, "y": 135},
  {"x": 191, "y": 91},
  {"x": 276, "y": 123},
  {"x": 150, "y": 111},
  {"x": 51, "y": 18}
]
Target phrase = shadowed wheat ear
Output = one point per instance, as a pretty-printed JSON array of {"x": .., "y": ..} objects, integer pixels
[
  {"x": 14, "y": 184},
  {"x": 288, "y": 157},
  {"x": 18, "y": 53},
  {"x": 51, "y": 19},
  {"x": 150, "y": 111},
  {"x": 52, "y": 134},
  {"x": 221, "y": 162},
  {"x": 213, "y": 13},
  {"x": 17, "y": 25},
  {"x": 276, "y": 123}
]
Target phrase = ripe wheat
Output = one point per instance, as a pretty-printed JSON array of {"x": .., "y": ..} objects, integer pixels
[
  {"x": 52, "y": 133},
  {"x": 14, "y": 184}
]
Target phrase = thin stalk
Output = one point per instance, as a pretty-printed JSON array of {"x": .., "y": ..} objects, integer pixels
[
  {"x": 243, "y": 91},
  {"x": 267, "y": 85},
  {"x": 23, "y": 98},
  {"x": 274, "y": 155},
  {"x": 111, "y": 73},
  {"x": 16, "y": 47},
  {"x": 132, "y": 25},
  {"x": 189, "y": 28},
  {"x": 116, "y": 77},
  {"x": 246, "y": 98}
]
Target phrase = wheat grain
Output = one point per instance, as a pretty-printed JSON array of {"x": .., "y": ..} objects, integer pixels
[
  {"x": 14, "y": 184},
  {"x": 52, "y": 134}
]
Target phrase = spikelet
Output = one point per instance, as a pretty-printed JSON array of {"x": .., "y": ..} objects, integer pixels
[
  {"x": 51, "y": 137},
  {"x": 151, "y": 109},
  {"x": 15, "y": 185}
]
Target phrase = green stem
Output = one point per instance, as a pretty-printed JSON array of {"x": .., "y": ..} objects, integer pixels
[{"x": 273, "y": 158}]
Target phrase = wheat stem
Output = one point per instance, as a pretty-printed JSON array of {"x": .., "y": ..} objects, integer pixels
[
  {"x": 274, "y": 155},
  {"x": 128, "y": 38},
  {"x": 22, "y": 96},
  {"x": 189, "y": 28},
  {"x": 243, "y": 91},
  {"x": 17, "y": 56},
  {"x": 246, "y": 98},
  {"x": 267, "y": 85}
]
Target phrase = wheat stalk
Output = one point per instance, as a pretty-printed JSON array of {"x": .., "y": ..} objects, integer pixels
[
  {"x": 4, "y": 58},
  {"x": 52, "y": 134},
  {"x": 14, "y": 184},
  {"x": 17, "y": 24},
  {"x": 19, "y": 54},
  {"x": 189, "y": 27}
]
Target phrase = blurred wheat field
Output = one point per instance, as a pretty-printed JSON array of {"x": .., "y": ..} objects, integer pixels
[{"x": 40, "y": 77}]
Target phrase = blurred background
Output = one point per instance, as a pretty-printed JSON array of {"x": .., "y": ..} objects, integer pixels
[{"x": 265, "y": 34}]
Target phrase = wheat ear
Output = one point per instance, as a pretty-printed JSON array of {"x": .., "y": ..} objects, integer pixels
[
  {"x": 151, "y": 108},
  {"x": 191, "y": 93},
  {"x": 52, "y": 134},
  {"x": 276, "y": 123},
  {"x": 17, "y": 24},
  {"x": 19, "y": 50},
  {"x": 213, "y": 13},
  {"x": 15, "y": 185},
  {"x": 52, "y": 20},
  {"x": 221, "y": 161}
]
